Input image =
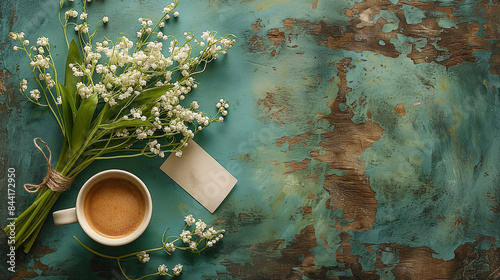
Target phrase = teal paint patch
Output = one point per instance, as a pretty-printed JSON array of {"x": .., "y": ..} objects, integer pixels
[
  {"x": 336, "y": 172},
  {"x": 367, "y": 257},
  {"x": 405, "y": 44},
  {"x": 385, "y": 273},
  {"x": 413, "y": 14},
  {"x": 389, "y": 257},
  {"x": 439, "y": 154},
  {"x": 346, "y": 273},
  {"x": 391, "y": 18}
]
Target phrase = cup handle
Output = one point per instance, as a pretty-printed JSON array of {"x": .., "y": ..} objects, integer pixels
[{"x": 65, "y": 217}]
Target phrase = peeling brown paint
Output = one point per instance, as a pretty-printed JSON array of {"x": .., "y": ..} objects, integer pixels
[
  {"x": 293, "y": 141},
  {"x": 496, "y": 208},
  {"x": 400, "y": 109},
  {"x": 315, "y": 4},
  {"x": 343, "y": 147},
  {"x": 269, "y": 261},
  {"x": 296, "y": 166},
  {"x": 24, "y": 270},
  {"x": 419, "y": 263},
  {"x": 307, "y": 210},
  {"x": 1, "y": 82},
  {"x": 256, "y": 44},
  {"x": 257, "y": 26},
  {"x": 276, "y": 107},
  {"x": 363, "y": 34},
  {"x": 276, "y": 36},
  {"x": 351, "y": 262}
]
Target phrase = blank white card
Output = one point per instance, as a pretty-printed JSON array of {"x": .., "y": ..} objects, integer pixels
[{"x": 200, "y": 175}]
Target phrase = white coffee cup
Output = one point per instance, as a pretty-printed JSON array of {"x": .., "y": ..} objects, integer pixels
[{"x": 112, "y": 195}]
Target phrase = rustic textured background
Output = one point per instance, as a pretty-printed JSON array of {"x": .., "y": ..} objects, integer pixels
[{"x": 364, "y": 134}]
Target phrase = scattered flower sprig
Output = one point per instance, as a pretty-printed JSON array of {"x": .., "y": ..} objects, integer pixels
[
  {"x": 121, "y": 98},
  {"x": 195, "y": 240}
]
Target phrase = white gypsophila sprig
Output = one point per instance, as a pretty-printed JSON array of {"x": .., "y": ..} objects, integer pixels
[
  {"x": 143, "y": 257},
  {"x": 195, "y": 240},
  {"x": 162, "y": 269},
  {"x": 177, "y": 270},
  {"x": 192, "y": 242},
  {"x": 189, "y": 219}
]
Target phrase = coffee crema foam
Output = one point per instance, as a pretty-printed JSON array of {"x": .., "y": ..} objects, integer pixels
[{"x": 114, "y": 207}]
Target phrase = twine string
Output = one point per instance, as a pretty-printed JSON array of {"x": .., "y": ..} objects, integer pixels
[{"x": 54, "y": 180}]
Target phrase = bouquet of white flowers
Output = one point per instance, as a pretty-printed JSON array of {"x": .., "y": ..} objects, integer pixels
[{"x": 117, "y": 97}]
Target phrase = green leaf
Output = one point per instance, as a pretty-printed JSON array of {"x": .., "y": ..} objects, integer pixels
[
  {"x": 74, "y": 57},
  {"x": 82, "y": 122},
  {"x": 146, "y": 97},
  {"x": 68, "y": 110},
  {"x": 125, "y": 124},
  {"x": 111, "y": 146}
]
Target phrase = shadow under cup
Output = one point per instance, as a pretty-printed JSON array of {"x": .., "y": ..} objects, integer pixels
[{"x": 114, "y": 207}]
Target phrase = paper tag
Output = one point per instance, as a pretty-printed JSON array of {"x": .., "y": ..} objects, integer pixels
[{"x": 200, "y": 175}]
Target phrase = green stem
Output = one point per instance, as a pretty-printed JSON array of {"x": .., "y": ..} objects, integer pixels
[{"x": 114, "y": 257}]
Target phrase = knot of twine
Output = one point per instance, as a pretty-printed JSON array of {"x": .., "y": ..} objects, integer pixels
[{"x": 54, "y": 180}]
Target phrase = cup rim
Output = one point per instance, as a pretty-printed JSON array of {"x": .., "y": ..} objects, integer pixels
[{"x": 113, "y": 173}]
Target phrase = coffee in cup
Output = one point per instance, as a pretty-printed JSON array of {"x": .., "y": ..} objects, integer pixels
[{"x": 113, "y": 207}]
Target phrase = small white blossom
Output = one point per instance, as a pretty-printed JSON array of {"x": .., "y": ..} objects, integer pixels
[
  {"x": 169, "y": 247},
  {"x": 190, "y": 220},
  {"x": 200, "y": 227},
  {"x": 35, "y": 94},
  {"x": 105, "y": 19},
  {"x": 186, "y": 236},
  {"x": 59, "y": 100},
  {"x": 42, "y": 41},
  {"x": 178, "y": 154},
  {"x": 177, "y": 270},
  {"x": 162, "y": 269},
  {"x": 176, "y": 14},
  {"x": 143, "y": 257}
]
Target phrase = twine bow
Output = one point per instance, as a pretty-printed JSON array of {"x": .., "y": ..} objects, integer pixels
[{"x": 54, "y": 180}]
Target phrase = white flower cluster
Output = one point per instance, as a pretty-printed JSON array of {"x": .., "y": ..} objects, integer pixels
[
  {"x": 177, "y": 270},
  {"x": 146, "y": 80},
  {"x": 222, "y": 107},
  {"x": 143, "y": 257},
  {"x": 39, "y": 61},
  {"x": 163, "y": 270},
  {"x": 210, "y": 236}
]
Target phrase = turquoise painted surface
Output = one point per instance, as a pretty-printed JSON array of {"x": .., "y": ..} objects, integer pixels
[{"x": 308, "y": 83}]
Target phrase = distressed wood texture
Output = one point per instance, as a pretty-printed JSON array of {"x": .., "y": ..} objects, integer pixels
[{"x": 364, "y": 136}]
